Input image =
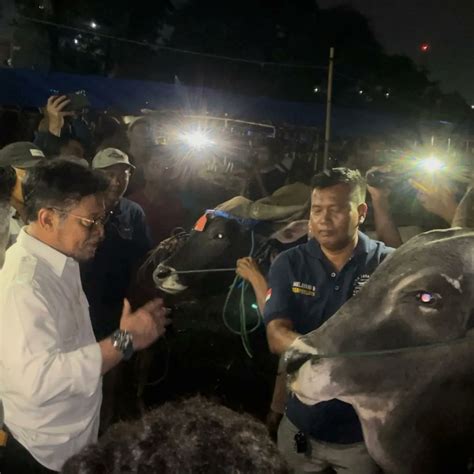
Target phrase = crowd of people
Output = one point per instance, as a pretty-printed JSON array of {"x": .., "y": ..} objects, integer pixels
[{"x": 77, "y": 229}]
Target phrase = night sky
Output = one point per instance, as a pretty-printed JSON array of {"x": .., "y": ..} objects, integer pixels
[{"x": 448, "y": 26}]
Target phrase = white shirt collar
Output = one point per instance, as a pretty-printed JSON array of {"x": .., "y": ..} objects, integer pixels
[{"x": 52, "y": 257}]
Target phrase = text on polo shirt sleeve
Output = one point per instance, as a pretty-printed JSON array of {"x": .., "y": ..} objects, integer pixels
[
  {"x": 34, "y": 366},
  {"x": 280, "y": 300}
]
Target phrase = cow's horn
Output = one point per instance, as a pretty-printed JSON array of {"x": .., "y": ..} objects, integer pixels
[{"x": 464, "y": 216}]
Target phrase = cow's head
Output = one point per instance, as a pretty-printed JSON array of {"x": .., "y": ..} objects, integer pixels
[
  {"x": 421, "y": 295},
  {"x": 215, "y": 242}
]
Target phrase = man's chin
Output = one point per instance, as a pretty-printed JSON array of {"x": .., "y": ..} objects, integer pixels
[
  {"x": 112, "y": 199},
  {"x": 87, "y": 254},
  {"x": 331, "y": 243}
]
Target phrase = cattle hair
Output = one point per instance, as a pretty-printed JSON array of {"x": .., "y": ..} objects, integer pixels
[{"x": 192, "y": 436}]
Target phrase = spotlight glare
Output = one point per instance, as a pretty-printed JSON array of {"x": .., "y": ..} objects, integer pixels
[
  {"x": 197, "y": 140},
  {"x": 432, "y": 164}
]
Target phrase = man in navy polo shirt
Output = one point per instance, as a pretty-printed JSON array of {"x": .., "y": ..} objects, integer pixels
[
  {"x": 308, "y": 284},
  {"x": 107, "y": 277}
]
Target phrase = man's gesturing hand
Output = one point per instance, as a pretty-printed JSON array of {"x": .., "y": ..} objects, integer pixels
[{"x": 146, "y": 324}]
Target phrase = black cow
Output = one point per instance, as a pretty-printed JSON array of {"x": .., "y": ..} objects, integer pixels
[
  {"x": 402, "y": 353},
  {"x": 218, "y": 245},
  {"x": 210, "y": 355}
]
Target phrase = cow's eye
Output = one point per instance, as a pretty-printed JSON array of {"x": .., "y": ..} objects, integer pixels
[
  {"x": 428, "y": 299},
  {"x": 219, "y": 236}
]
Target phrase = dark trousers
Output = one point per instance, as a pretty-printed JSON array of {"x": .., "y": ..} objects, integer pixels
[{"x": 17, "y": 460}]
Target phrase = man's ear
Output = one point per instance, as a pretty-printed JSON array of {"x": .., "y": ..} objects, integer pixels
[
  {"x": 46, "y": 218},
  {"x": 362, "y": 211}
]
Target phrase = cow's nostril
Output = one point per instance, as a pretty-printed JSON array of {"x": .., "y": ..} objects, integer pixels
[
  {"x": 294, "y": 359},
  {"x": 164, "y": 273}
]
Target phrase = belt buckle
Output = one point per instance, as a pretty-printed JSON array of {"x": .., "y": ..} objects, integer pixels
[{"x": 3, "y": 438}]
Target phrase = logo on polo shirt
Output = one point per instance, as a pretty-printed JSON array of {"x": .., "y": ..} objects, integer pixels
[
  {"x": 359, "y": 282},
  {"x": 303, "y": 289}
]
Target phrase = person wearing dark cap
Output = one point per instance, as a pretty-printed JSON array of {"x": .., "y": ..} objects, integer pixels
[
  {"x": 15, "y": 160},
  {"x": 107, "y": 277}
]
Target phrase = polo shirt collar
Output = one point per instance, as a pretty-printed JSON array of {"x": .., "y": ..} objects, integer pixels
[
  {"x": 52, "y": 257},
  {"x": 363, "y": 247}
]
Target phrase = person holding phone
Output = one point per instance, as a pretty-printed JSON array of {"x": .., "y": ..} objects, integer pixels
[{"x": 52, "y": 137}]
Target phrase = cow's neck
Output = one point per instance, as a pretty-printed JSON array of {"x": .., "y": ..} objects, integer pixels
[{"x": 407, "y": 431}]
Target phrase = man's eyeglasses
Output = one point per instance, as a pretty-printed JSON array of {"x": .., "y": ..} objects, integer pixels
[{"x": 86, "y": 221}]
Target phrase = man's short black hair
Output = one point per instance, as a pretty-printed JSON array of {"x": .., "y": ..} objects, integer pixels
[
  {"x": 335, "y": 176},
  {"x": 59, "y": 183},
  {"x": 192, "y": 436},
  {"x": 7, "y": 182}
]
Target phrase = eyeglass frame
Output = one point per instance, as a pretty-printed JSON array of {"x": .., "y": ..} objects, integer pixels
[{"x": 90, "y": 223}]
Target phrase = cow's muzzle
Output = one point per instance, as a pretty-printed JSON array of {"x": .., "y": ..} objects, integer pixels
[
  {"x": 298, "y": 353},
  {"x": 167, "y": 279}
]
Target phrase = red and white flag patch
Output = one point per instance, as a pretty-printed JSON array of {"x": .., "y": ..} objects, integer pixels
[{"x": 269, "y": 295}]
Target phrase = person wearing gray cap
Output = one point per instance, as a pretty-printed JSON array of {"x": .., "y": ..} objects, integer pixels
[
  {"x": 15, "y": 160},
  {"x": 107, "y": 277}
]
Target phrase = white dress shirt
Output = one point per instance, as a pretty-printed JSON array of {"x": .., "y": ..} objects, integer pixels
[
  {"x": 5, "y": 215},
  {"x": 50, "y": 362}
]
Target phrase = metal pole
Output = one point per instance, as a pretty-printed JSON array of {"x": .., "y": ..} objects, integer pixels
[{"x": 327, "y": 135}]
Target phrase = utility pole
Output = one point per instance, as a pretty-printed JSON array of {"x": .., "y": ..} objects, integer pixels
[{"x": 327, "y": 134}]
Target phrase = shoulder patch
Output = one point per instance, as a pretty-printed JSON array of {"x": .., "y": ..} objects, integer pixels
[{"x": 269, "y": 295}]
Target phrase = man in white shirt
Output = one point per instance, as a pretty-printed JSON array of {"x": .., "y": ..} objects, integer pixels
[{"x": 51, "y": 366}]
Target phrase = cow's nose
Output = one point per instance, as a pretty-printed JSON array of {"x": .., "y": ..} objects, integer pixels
[
  {"x": 294, "y": 359},
  {"x": 163, "y": 272}
]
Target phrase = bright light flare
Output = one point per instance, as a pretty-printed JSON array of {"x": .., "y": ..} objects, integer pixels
[
  {"x": 197, "y": 140},
  {"x": 424, "y": 47},
  {"x": 432, "y": 164}
]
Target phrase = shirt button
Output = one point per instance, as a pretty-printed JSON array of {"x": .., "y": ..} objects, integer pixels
[
  {"x": 336, "y": 288},
  {"x": 333, "y": 275}
]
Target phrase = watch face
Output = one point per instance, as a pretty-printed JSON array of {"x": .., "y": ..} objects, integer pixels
[{"x": 123, "y": 341}]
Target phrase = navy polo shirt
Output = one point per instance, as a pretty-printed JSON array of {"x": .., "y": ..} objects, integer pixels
[
  {"x": 305, "y": 288},
  {"x": 107, "y": 277}
]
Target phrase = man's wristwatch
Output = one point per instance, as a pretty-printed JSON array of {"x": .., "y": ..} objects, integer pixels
[{"x": 123, "y": 342}]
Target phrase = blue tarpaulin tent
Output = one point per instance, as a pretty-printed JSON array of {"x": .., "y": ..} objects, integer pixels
[{"x": 28, "y": 88}]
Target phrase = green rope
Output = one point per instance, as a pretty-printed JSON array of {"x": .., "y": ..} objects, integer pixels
[{"x": 243, "y": 332}]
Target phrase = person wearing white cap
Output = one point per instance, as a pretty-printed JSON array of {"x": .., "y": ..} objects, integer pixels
[{"x": 107, "y": 277}]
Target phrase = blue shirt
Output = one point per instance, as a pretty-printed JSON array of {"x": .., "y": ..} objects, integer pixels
[
  {"x": 107, "y": 277},
  {"x": 305, "y": 288}
]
